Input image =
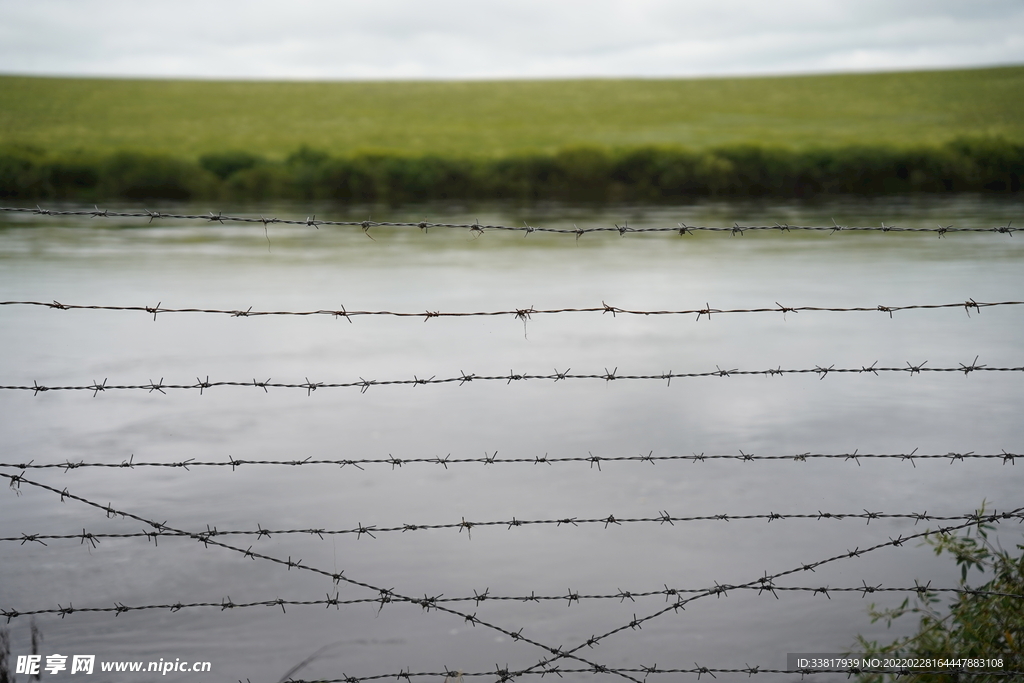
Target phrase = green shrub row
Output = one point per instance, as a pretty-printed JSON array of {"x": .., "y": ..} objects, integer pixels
[{"x": 582, "y": 173}]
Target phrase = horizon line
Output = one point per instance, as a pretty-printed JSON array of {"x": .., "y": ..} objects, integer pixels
[{"x": 495, "y": 79}]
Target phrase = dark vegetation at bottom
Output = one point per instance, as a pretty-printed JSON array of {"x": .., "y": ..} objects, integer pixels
[
  {"x": 650, "y": 174},
  {"x": 975, "y": 626}
]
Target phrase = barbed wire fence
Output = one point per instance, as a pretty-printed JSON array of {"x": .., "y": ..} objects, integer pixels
[
  {"x": 763, "y": 584},
  {"x": 556, "y": 659}
]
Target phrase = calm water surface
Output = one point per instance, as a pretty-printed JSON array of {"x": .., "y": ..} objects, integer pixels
[{"x": 185, "y": 264}]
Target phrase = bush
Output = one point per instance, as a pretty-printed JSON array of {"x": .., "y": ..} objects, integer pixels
[
  {"x": 573, "y": 173},
  {"x": 975, "y": 626},
  {"x": 21, "y": 176},
  {"x": 258, "y": 182},
  {"x": 226, "y": 164},
  {"x": 525, "y": 177},
  {"x": 653, "y": 173},
  {"x": 131, "y": 175}
]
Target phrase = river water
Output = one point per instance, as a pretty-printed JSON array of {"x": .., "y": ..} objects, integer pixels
[{"x": 183, "y": 264}]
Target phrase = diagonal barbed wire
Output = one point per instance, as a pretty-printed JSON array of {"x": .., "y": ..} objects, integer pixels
[
  {"x": 523, "y": 314},
  {"x": 467, "y": 525},
  {"x": 478, "y": 228},
  {"x": 385, "y": 595},
  {"x": 493, "y": 459},
  {"x": 767, "y": 581},
  {"x": 607, "y": 376},
  {"x": 570, "y": 598}
]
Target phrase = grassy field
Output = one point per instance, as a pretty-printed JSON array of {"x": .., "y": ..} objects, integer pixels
[
  {"x": 186, "y": 119},
  {"x": 590, "y": 140}
]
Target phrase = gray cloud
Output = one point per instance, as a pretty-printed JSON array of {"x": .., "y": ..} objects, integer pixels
[{"x": 324, "y": 39}]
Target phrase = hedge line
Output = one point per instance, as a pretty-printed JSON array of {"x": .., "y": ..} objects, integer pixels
[{"x": 584, "y": 173}]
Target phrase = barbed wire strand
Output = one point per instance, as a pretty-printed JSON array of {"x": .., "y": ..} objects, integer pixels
[
  {"x": 397, "y": 463},
  {"x": 523, "y": 314},
  {"x": 463, "y": 378},
  {"x": 465, "y": 525},
  {"x": 766, "y": 582},
  {"x": 478, "y": 228},
  {"x": 569, "y": 598}
]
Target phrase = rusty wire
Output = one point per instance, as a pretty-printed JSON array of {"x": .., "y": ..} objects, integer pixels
[
  {"x": 523, "y": 314},
  {"x": 608, "y": 376},
  {"x": 493, "y": 459},
  {"x": 765, "y": 582},
  {"x": 477, "y": 228},
  {"x": 468, "y": 525}
]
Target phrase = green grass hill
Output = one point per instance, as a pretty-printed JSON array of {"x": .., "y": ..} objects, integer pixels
[{"x": 497, "y": 119}]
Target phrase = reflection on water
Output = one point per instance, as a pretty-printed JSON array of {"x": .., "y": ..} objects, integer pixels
[{"x": 234, "y": 267}]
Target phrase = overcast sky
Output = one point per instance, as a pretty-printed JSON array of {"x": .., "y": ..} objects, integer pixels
[{"x": 463, "y": 39}]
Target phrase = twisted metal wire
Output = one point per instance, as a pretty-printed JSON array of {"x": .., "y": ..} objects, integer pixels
[
  {"x": 477, "y": 228},
  {"x": 575, "y": 522},
  {"x": 570, "y": 598},
  {"x": 523, "y": 314},
  {"x": 487, "y": 459},
  {"x": 463, "y": 378}
]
